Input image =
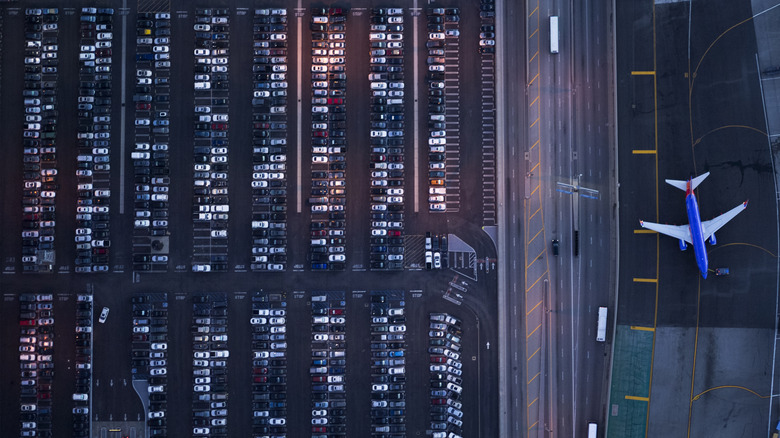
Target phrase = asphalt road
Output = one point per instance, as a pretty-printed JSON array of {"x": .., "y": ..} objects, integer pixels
[{"x": 113, "y": 397}]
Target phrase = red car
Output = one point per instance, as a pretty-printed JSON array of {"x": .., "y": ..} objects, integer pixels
[
  {"x": 143, "y": 106},
  {"x": 335, "y": 101},
  {"x": 44, "y": 395},
  {"x": 260, "y": 125},
  {"x": 258, "y": 370},
  {"x": 261, "y": 379},
  {"x": 219, "y": 126},
  {"x": 439, "y": 401},
  {"x": 438, "y": 359},
  {"x": 393, "y": 233},
  {"x": 26, "y": 322},
  {"x": 318, "y": 233},
  {"x": 336, "y": 311},
  {"x": 319, "y": 429},
  {"x": 320, "y": 133},
  {"x": 318, "y": 379}
]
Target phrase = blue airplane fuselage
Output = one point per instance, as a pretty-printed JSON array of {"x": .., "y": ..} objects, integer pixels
[{"x": 697, "y": 236}]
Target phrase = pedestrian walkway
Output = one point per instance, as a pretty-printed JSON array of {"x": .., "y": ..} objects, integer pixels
[{"x": 630, "y": 390}]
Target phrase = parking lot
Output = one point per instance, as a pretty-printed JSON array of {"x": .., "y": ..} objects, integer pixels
[
  {"x": 185, "y": 129},
  {"x": 399, "y": 177}
]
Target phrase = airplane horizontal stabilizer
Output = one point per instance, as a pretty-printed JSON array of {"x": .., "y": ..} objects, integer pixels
[{"x": 683, "y": 185}]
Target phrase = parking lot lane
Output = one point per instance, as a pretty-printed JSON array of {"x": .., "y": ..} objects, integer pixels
[{"x": 180, "y": 359}]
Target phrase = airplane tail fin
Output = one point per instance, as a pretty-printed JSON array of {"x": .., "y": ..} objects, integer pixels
[{"x": 683, "y": 185}]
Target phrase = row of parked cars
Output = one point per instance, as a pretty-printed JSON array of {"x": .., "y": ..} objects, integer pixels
[
  {"x": 151, "y": 161},
  {"x": 386, "y": 76},
  {"x": 94, "y": 141},
  {"x": 328, "y": 366},
  {"x": 329, "y": 145},
  {"x": 40, "y": 124},
  {"x": 269, "y": 366},
  {"x": 388, "y": 365},
  {"x": 210, "y": 185},
  {"x": 150, "y": 355},
  {"x": 83, "y": 363},
  {"x": 209, "y": 365},
  {"x": 442, "y": 24},
  {"x": 269, "y": 141},
  {"x": 446, "y": 375},
  {"x": 36, "y": 348}
]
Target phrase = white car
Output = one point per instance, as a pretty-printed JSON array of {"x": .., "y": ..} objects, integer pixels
[
  {"x": 103, "y": 315},
  {"x": 201, "y": 388},
  {"x": 160, "y": 346}
]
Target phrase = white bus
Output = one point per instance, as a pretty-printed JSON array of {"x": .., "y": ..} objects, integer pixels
[
  {"x": 554, "y": 34},
  {"x": 593, "y": 430},
  {"x": 601, "y": 331}
]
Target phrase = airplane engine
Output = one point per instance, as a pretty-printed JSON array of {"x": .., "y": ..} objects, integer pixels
[
  {"x": 712, "y": 240},
  {"x": 683, "y": 245}
]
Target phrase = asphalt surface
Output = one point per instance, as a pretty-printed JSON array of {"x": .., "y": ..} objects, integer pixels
[
  {"x": 709, "y": 117},
  {"x": 114, "y": 399}
]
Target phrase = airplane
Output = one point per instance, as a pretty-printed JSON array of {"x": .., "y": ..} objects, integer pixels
[{"x": 696, "y": 232}]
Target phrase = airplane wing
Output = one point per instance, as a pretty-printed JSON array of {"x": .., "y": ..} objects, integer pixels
[
  {"x": 709, "y": 227},
  {"x": 682, "y": 232}
]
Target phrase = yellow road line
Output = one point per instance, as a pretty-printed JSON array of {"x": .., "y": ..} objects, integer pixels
[
  {"x": 533, "y": 331},
  {"x": 633, "y": 397},
  {"x": 643, "y": 329},
  {"x": 537, "y": 305},
  {"x": 536, "y": 235},
  {"x": 645, "y": 280},
  {"x": 534, "y": 377},
  {"x": 534, "y": 354},
  {"x": 540, "y": 277},
  {"x": 644, "y": 231},
  {"x": 643, "y": 152},
  {"x": 642, "y": 73}
]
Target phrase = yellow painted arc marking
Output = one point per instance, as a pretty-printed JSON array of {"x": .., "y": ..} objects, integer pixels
[
  {"x": 698, "y": 140},
  {"x": 698, "y": 396},
  {"x": 713, "y": 249}
]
